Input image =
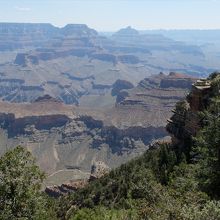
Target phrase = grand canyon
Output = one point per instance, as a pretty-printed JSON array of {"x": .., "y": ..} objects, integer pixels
[{"x": 85, "y": 102}]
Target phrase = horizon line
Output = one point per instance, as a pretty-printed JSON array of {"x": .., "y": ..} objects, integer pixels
[{"x": 99, "y": 30}]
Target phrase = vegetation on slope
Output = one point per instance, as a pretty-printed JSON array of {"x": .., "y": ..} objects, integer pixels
[
  {"x": 170, "y": 181},
  {"x": 177, "y": 181},
  {"x": 20, "y": 183}
]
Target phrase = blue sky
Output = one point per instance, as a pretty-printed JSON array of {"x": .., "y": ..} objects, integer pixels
[{"x": 111, "y": 15}]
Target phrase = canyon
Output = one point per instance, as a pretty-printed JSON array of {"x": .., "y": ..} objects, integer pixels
[
  {"x": 67, "y": 140},
  {"x": 75, "y": 97},
  {"x": 77, "y": 65}
]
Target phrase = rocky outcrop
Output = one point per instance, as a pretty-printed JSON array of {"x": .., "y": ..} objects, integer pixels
[
  {"x": 21, "y": 59},
  {"x": 199, "y": 96},
  {"x": 120, "y": 85},
  {"x": 6, "y": 120},
  {"x": 98, "y": 169},
  {"x": 65, "y": 188},
  {"x": 172, "y": 87},
  {"x": 186, "y": 120},
  {"x": 124, "y": 140},
  {"x": 118, "y": 140},
  {"x": 47, "y": 98},
  {"x": 79, "y": 30},
  {"x": 128, "y": 31},
  {"x": 177, "y": 80},
  {"x": 121, "y": 96},
  {"x": 90, "y": 122},
  {"x": 17, "y": 126}
]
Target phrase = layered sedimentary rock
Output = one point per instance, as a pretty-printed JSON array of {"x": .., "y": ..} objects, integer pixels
[
  {"x": 153, "y": 98},
  {"x": 121, "y": 85},
  {"x": 75, "y": 61},
  {"x": 65, "y": 188},
  {"x": 150, "y": 42},
  {"x": 68, "y": 140},
  {"x": 22, "y": 35},
  {"x": 187, "y": 120},
  {"x": 63, "y": 140}
]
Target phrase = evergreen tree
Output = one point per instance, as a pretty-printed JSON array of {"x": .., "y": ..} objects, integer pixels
[{"x": 20, "y": 183}]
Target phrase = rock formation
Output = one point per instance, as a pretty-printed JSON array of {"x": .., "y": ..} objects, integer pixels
[
  {"x": 47, "y": 98},
  {"x": 154, "y": 98},
  {"x": 68, "y": 63},
  {"x": 186, "y": 120},
  {"x": 70, "y": 137},
  {"x": 120, "y": 85},
  {"x": 98, "y": 169},
  {"x": 65, "y": 188}
]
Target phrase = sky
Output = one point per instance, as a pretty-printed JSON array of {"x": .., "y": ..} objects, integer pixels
[{"x": 111, "y": 15}]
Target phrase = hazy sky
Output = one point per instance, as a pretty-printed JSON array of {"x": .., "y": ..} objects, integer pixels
[{"x": 109, "y": 15}]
